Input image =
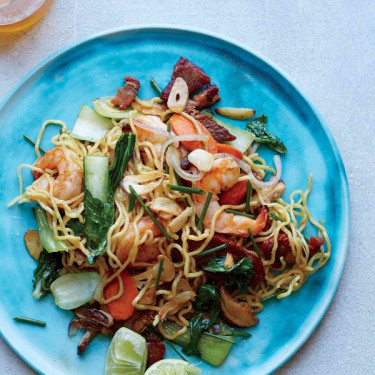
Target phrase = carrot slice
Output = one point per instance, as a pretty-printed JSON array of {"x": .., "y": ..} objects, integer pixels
[
  {"x": 181, "y": 125},
  {"x": 235, "y": 195},
  {"x": 228, "y": 149},
  {"x": 121, "y": 308}
]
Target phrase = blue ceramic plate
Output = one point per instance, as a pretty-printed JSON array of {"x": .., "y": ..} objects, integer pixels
[{"x": 94, "y": 67}]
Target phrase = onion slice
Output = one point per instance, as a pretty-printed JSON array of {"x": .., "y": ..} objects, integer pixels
[
  {"x": 136, "y": 180},
  {"x": 183, "y": 137},
  {"x": 173, "y": 159},
  {"x": 246, "y": 167},
  {"x": 152, "y": 124}
]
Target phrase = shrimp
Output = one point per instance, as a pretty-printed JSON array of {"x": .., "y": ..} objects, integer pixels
[
  {"x": 157, "y": 138},
  {"x": 126, "y": 242},
  {"x": 223, "y": 175},
  {"x": 68, "y": 182}
]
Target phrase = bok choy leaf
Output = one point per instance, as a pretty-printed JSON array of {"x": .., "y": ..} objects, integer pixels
[{"x": 100, "y": 182}]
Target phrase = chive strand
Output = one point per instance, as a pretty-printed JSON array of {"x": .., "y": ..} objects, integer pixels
[
  {"x": 34, "y": 322},
  {"x": 254, "y": 244},
  {"x": 213, "y": 250},
  {"x": 186, "y": 189},
  {"x": 160, "y": 270},
  {"x": 155, "y": 86},
  {"x": 131, "y": 202},
  {"x": 248, "y": 196},
  {"x": 245, "y": 335},
  {"x": 205, "y": 207},
  {"x": 219, "y": 337},
  {"x": 28, "y": 139},
  {"x": 149, "y": 213},
  {"x": 175, "y": 350},
  {"x": 234, "y": 212}
]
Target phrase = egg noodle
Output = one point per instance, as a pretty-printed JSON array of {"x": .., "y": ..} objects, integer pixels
[{"x": 293, "y": 216}]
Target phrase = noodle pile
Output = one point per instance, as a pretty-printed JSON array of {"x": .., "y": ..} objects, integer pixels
[{"x": 294, "y": 217}]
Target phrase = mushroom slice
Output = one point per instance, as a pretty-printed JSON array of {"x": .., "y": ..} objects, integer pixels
[
  {"x": 175, "y": 304},
  {"x": 85, "y": 340},
  {"x": 183, "y": 286},
  {"x": 234, "y": 312},
  {"x": 33, "y": 244},
  {"x": 179, "y": 222},
  {"x": 149, "y": 297}
]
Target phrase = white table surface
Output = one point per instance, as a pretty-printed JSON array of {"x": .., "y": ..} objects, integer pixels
[{"x": 327, "y": 47}]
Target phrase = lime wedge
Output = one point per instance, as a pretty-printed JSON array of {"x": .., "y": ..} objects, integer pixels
[
  {"x": 173, "y": 367},
  {"x": 127, "y": 354}
]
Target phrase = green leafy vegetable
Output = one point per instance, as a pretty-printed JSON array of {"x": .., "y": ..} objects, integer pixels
[
  {"x": 77, "y": 227},
  {"x": 239, "y": 275},
  {"x": 123, "y": 153},
  {"x": 46, "y": 273},
  {"x": 213, "y": 349},
  {"x": 258, "y": 127},
  {"x": 99, "y": 218},
  {"x": 207, "y": 307},
  {"x": 99, "y": 187},
  {"x": 47, "y": 237}
]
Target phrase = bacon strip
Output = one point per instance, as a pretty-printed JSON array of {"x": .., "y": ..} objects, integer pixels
[
  {"x": 219, "y": 133},
  {"x": 315, "y": 243},
  {"x": 192, "y": 74},
  {"x": 207, "y": 97},
  {"x": 283, "y": 249},
  {"x": 126, "y": 95},
  {"x": 155, "y": 352}
]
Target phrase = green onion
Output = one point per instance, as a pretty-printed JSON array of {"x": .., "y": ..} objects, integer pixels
[
  {"x": 179, "y": 183},
  {"x": 219, "y": 337},
  {"x": 160, "y": 270},
  {"x": 186, "y": 189},
  {"x": 47, "y": 237},
  {"x": 149, "y": 213},
  {"x": 166, "y": 168},
  {"x": 155, "y": 86},
  {"x": 200, "y": 222},
  {"x": 275, "y": 217},
  {"x": 168, "y": 127},
  {"x": 32, "y": 142},
  {"x": 30, "y": 321},
  {"x": 246, "y": 335},
  {"x": 254, "y": 244},
  {"x": 248, "y": 197},
  {"x": 213, "y": 250},
  {"x": 175, "y": 350},
  {"x": 234, "y": 212},
  {"x": 131, "y": 202}
]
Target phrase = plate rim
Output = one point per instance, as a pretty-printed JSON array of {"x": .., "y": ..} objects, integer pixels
[{"x": 326, "y": 300}]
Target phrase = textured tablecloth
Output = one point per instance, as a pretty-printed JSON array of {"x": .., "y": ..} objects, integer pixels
[{"x": 327, "y": 47}]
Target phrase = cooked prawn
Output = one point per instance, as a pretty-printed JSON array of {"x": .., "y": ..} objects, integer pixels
[
  {"x": 126, "y": 242},
  {"x": 68, "y": 182},
  {"x": 143, "y": 135},
  {"x": 222, "y": 176}
]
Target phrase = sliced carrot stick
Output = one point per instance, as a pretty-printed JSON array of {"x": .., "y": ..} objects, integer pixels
[
  {"x": 121, "y": 308},
  {"x": 235, "y": 195},
  {"x": 228, "y": 149},
  {"x": 182, "y": 125}
]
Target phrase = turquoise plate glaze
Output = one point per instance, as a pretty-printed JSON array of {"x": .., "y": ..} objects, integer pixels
[{"x": 94, "y": 67}]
